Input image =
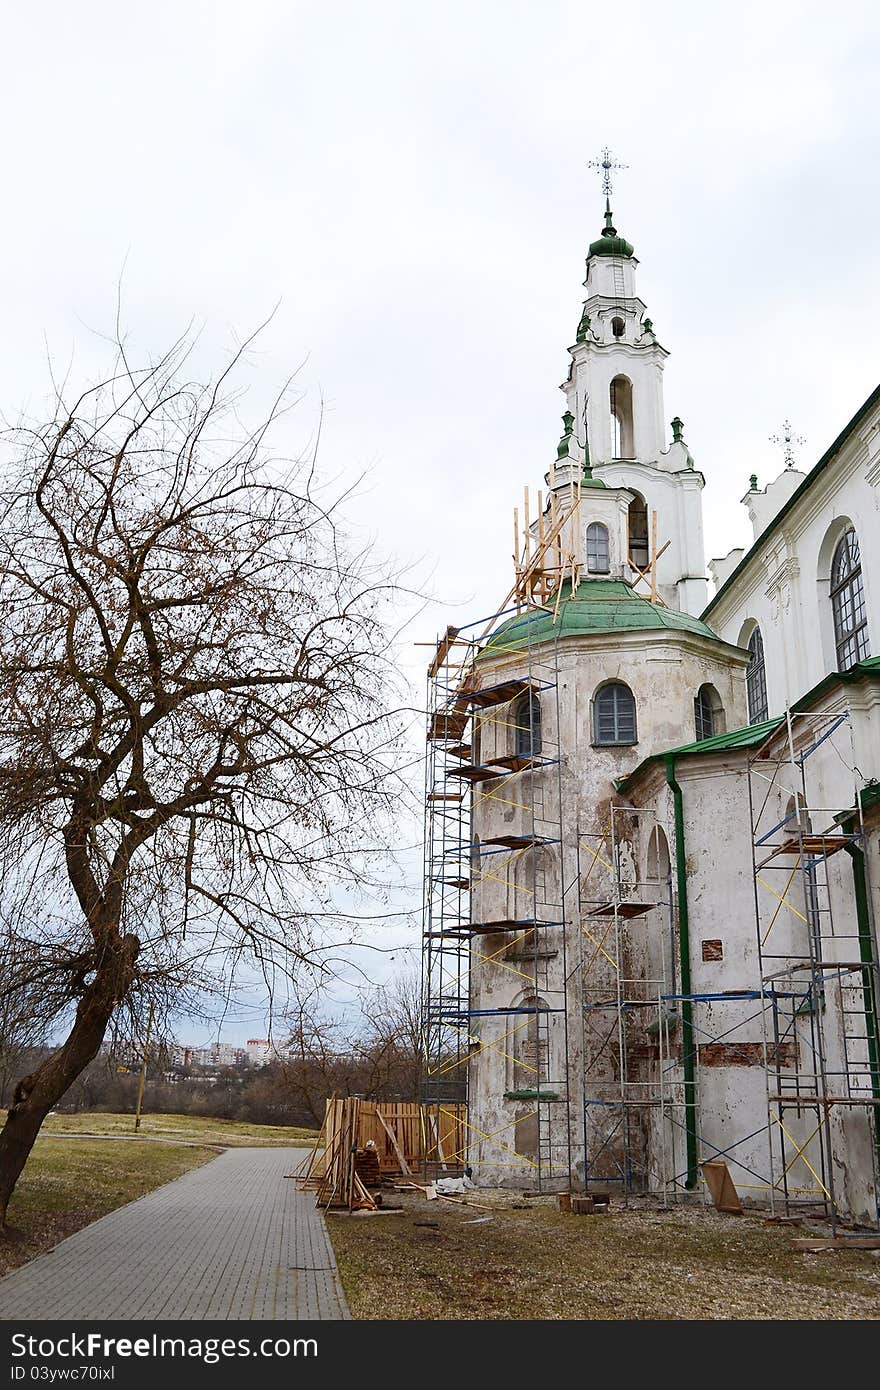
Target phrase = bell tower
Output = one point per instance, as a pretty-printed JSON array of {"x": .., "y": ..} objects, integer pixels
[{"x": 614, "y": 391}]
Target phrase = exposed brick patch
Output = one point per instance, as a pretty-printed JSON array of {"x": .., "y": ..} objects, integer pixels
[
  {"x": 712, "y": 950},
  {"x": 746, "y": 1054}
]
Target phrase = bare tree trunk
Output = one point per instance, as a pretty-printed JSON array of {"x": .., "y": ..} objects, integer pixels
[{"x": 36, "y": 1094}]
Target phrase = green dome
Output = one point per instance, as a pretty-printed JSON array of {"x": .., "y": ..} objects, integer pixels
[
  {"x": 610, "y": 246},
  {"x": 609, "y": 243},
  {"x": 597, "y": 606}
]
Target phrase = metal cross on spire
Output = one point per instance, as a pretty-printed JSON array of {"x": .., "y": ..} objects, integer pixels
[
  {"x": 788, "y": 441},
  {"x": 608, "y": 165}
]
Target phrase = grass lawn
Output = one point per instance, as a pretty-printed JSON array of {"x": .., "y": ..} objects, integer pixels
[
  {"x": 533, "y": 1261},
  {"x": 68, "y": 1183},
  {"x": 193, "y": 1128}
]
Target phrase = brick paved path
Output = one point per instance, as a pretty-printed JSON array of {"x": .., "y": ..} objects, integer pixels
[{"x": 233, "y": 1239}]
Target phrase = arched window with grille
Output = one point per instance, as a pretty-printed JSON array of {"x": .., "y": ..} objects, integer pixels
[
  {"x": 598, "y": 554},
  {"x": 756, "y": 679},
  {"x": 527, "y": 726},
  {"x": 848, "y": 603},
  {"x": 614, "y": 714},
  {"x": 708, "y": 713}
]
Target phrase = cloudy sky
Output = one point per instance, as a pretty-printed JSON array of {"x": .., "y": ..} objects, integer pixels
[{"x": 408, "y": 185}]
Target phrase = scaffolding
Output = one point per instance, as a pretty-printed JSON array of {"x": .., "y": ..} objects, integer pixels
[
  {"x": 495, "y": 974},
  {"x": 818, "y": 964},
  {"x": 629, "y": 1085},
  {"x": 476, "y": 768},
  {"x": 811, "y": 1001},
  {"x": 474, "y": 952},
  {"x": 552, "y": 966}
]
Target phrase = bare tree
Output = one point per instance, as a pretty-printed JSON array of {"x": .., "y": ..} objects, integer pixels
[
  {"x": 391, "y": 1044},
  {"x": 372, "y": 1052},
  {"x": 199, "y": 719},
  {"x": 22, "y": 1029}
]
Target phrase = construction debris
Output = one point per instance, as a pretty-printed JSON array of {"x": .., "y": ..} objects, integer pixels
[
  {"x": 591, "y": 1203},
  {"x": 362, "y": 1145},
  {"x": 452, "y": 1187}
]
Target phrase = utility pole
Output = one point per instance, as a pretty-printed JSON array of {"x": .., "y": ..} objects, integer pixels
[{"x": 137, "y": 1117}]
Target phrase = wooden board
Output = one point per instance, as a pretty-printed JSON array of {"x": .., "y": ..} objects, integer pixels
[
  {"x": 721, "y": 1188},
  {"x": 838, "y": 1243}
]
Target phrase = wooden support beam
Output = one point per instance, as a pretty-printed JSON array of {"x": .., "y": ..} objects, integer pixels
[{"x": 404, "y": 1166}]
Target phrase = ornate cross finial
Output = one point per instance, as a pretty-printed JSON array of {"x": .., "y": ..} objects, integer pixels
[
  {"x": 788, "y": 442},
  {"x": 608, "y": 165}
]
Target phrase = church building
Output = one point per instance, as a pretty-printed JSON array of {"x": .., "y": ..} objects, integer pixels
[{"x": 653, "y": 816}]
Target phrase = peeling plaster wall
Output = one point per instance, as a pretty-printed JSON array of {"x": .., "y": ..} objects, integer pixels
[
  {"x": 731, "y": 1077},
  {"x": 731, "y": 1093},
  {"x": 664, "y": 670}
]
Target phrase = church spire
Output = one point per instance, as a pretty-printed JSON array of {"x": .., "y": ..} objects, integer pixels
[{"x": 609, "y": 243}]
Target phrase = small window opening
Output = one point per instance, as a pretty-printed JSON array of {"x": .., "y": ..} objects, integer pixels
[
  {"x": 598, "y": 557},
  {"x": 637, "y": 521}
]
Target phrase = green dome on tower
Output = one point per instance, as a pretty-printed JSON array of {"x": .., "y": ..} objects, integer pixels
[
  {"x": 609, "y": 243},
  {"x": 597, "y": 606}
]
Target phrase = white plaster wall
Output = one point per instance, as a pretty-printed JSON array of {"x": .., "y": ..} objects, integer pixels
[
  {"x": 784, "y": 586},
  {"x": 677, "y": 499},
  {"x": 722, "y": 905}
]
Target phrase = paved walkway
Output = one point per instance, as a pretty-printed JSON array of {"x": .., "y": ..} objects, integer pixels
[{"x": 233, "y": 1239}]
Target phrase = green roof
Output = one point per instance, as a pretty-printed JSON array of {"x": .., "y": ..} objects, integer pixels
[
  {"x": 748, "y": 737},
  {"x": 796, "y": 496},
  {"x": 870, "y": 796},
  {"x": 609, "y": 243},
  {"x": 610, "y": 246},
  {"x": 755, "y": 734},
  {"x": 597, "y": 606}
]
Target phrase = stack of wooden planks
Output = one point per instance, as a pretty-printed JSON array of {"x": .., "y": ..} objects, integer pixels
[
  {"x": 363, "y": 1141},
  {"x": 332, "y": 1172}
]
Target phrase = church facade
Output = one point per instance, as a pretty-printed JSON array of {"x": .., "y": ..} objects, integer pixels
[{"x": 653, "y": 824}]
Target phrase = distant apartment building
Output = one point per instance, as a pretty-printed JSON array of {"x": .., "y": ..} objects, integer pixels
[
  {"x": 212, "y": 1056},
  {"x": 260, "y": 1052}
]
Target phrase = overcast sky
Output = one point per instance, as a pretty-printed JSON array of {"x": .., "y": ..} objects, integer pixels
[{"x": 408, "y": 184}]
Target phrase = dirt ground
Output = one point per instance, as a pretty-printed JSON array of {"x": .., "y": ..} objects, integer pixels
[{"x": 529, "y": 1260}]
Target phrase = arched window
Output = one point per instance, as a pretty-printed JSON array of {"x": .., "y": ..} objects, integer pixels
[
  {"x": 848, "y": 603},
  {"x": 598, "y": 560},
  {"x": 658, "y": 856},
  {"x": 622, "y": 446},
  {"x": 797, "y": 824},
  {"x": 708, "y": 713},
  {"x": 637, "y": 528},
  {"x": 614, "y": 714},
  {"x": 527, "y": 726},
  {"x": 756, "y": 679},
  {"x": 618, "y": 327},
  {"x": 475, "y": 858}
]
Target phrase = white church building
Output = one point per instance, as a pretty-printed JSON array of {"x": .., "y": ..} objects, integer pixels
[{"x": 653, "y": 816}]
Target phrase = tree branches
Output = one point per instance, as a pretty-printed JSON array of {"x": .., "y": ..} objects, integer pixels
[{"x": 200, "y": 720}]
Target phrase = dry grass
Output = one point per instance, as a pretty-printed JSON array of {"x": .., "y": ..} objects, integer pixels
[
  {"x": 190, "y": 1128},
  {"x": 534, "y": 1262},
  {"x": 68, "y": 1183}
]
